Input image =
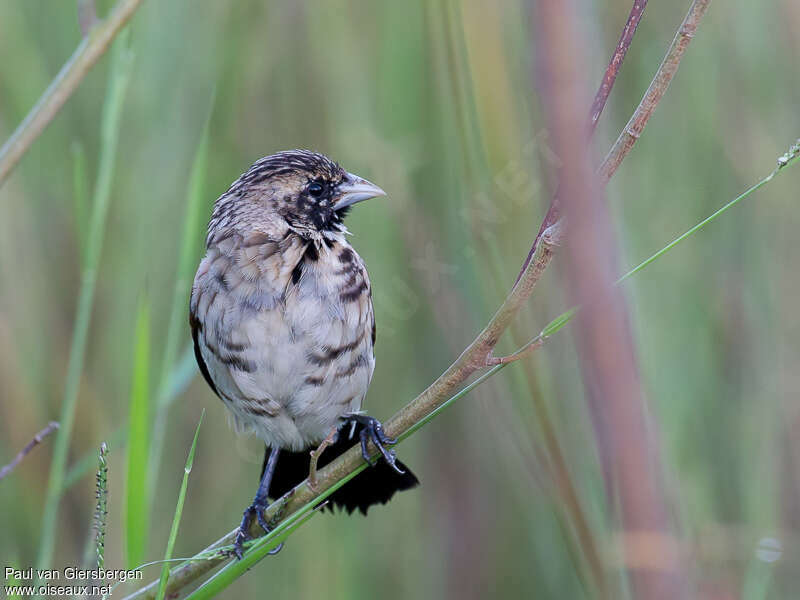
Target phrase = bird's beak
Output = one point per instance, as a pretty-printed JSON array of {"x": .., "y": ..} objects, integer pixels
[{"x": 355, "y": 189}]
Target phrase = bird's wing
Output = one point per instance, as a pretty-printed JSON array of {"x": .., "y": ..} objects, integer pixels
[{"x": 197, "y": 328}]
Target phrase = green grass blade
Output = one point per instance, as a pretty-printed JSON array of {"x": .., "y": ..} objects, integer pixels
[
  {"x": 187, "y": 262},
  {"x": 788, "y": 159},
  {"x": 80, "y": 195},
  {"x": 557, "y": 323},
  {"x": 258, "y": 549},
  {"x": 784, "y": 161},
  {"x": 109, "y": 133},
  {"x": 173, "y": 532},
  {"x": 136, "y": 509}
]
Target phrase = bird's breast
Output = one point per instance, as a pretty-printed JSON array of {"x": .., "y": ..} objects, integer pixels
[{"x": 288, "y": 334}]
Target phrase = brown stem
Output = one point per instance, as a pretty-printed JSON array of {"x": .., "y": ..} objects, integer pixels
[
  {"x": 631, "y": 461},
  {"x": 515, "y": 356},
  {"x": 87, "y": 53},
  {"x": 600, "y": 99},
  {"x": 669, "y": 66},
  {"x": 37, "y": 439},
  {"x": 610, "y": 76}
]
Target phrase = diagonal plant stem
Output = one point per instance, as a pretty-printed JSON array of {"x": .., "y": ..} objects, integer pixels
[
  {"x": 669, "y": 66},
  {"x": 92, "y": 47},
  {"x": 791, "y": 157},
  {"x": 37, "y": 439},
  {"x": 600, "y": 99},
  {"x": 635, "y": 126},
  {"x": 625, "y": 39}
]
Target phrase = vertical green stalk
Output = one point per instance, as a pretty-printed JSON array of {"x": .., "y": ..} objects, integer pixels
[
  {"x": 180, "y": 297},
  {"x": 109, "y": 134},
  {"x": 176, "y": 519},
  {"x": 137, "y": 522},
  {"x": 80, "y": 187}
]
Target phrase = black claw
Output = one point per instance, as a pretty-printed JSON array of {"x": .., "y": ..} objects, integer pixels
[
  {"x": 364, "y": 453},
  {"x": 251, "y": 512},
  {"x": 238, "y": 546},
  {"x": 256, "y": 509},
  {"x": 276, "y": 549},
  {"x": 373, "y": 431},
  {"x": 262, "y": 521}
]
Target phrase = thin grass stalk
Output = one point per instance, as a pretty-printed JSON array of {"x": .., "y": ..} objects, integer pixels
[
  {"x": 37, "y": 439},
  {"x": 638, "y": 121},
  {"x": 658, "y": 87},
  {"x": 80, "y": 192},
  {"x": 137, "y": 512},
  {"x": 786, "y": 160},
  {"x": 176, "y": 519},
  {"x": 610, "y": 76},
  {"x": 88, "y": 52},
  {"x": 109, "y": 135}
]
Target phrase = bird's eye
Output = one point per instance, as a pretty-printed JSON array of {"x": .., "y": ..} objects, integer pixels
[{"x": 315, "y": 189}]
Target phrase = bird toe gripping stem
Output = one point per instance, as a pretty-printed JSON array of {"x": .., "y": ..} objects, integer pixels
[{"x": 373, "y": 432}]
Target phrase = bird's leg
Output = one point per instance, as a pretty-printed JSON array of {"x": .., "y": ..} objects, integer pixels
[
  {"x": 256, "y": 509},
  {"x": 373, "y": 432}
]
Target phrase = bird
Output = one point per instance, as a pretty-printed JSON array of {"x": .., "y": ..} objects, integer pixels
[{"x": 284, "y": 331}]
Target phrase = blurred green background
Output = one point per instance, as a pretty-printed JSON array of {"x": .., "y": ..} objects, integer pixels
[{"x": 435, "y": 102}]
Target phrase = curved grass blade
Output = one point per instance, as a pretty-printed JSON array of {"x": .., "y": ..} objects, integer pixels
[{"x": 176, "y": 520}]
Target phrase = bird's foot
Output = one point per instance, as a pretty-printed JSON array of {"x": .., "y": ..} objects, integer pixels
[
  {"x": 373, "y": 431},
  {"x": 254, "y": 511}
]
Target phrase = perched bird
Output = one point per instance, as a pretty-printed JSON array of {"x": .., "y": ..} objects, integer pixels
[{"x": 283, "y": 326}]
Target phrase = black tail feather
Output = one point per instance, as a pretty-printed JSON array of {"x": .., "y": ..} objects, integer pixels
[{"x": 374, "y": 485}]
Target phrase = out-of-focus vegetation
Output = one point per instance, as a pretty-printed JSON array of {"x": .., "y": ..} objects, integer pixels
[{"x": 435, "y": 102}]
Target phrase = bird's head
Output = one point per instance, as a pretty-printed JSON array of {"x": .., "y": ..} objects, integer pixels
[{"x": 296, "y": 190}]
